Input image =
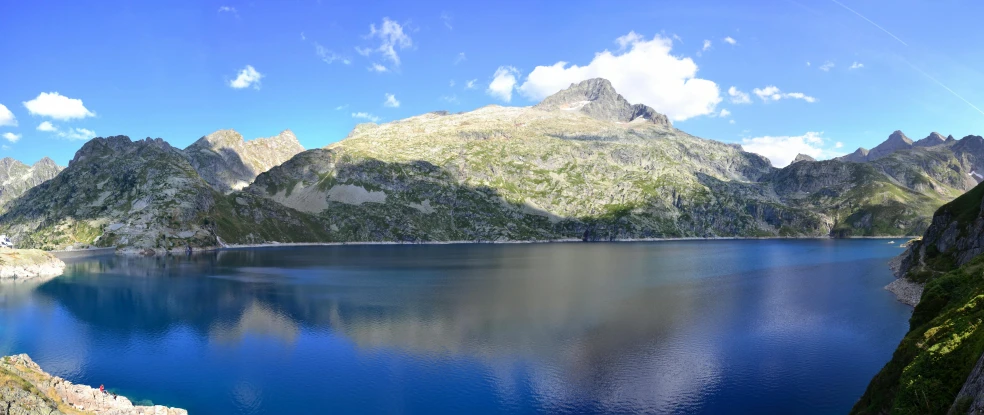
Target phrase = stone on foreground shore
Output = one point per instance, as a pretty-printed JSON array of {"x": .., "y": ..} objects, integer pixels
[
  {"x": 28, "y": 263},
  {"x": 25, "y": 389}
]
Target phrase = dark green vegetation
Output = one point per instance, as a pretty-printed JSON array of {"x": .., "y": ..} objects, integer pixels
[{"x": 934, "y": 360}]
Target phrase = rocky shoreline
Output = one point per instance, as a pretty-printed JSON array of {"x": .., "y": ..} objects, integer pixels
[
  {"x": 28, "y": 390},
  {"x": 906, "y": 291},
  {"x": 18, "y": 264}
]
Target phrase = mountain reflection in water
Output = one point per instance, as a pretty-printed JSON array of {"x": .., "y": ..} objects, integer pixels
[{"x": 697, "y": 326}]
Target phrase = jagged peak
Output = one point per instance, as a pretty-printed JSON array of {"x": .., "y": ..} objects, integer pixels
[
  {"x": 932, "y": 139},
  {"x": 117, "y": 144},
  {"x": 45, "y": 162},
  {"x": 597, "y": 98},
  {"x": 898, "y": 136}
]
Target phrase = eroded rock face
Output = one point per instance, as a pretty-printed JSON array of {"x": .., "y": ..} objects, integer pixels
[
  {"x": 16, "y": 178},
  {"x": 228, "y": 162},
  {"x": 26, "y": 389},
  {"x": 803, "y": 157}
]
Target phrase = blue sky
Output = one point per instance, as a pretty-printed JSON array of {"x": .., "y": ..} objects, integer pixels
[{"x": 168, "y": 69}]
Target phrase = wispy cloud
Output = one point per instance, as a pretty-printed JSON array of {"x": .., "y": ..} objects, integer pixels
[
  {"x": 738, "y": 97},
  {"x": 827, "y": 66},
  {"x": 460, "y": 58},
  {"x": 375, "y": 67},
  {"x": 229, "y": 9},
  {"x": 857, "y": 65},
  {"x": 447, "y": 19},
  {"x": 328, "y": 56},
  {"x": 391, "y": 37},
  {"x": 781, "y": 150},
  {"x": 341, "y": 107},
  {"x": 730, "y": 40},
  {"x": 70, "y": 134},
  {"x": 365, "y": 116},
  {"x": 772, "y": 93},
  {"x": 471, "y": 84}
]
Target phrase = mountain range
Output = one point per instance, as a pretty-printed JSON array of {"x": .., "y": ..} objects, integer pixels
[{"x": 583, "y": 164}]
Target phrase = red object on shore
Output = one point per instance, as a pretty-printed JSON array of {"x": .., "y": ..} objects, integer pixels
[{"x": 102, "y": 388}]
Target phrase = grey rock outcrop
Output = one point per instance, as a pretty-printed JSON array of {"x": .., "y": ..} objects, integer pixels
[
  {"x": 228, "y": 163},
  {"x": 803, "y": 157},
  {"x": 598, "y": 99}
]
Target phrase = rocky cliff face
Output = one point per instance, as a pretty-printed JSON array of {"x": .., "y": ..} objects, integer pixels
[
  {"x": 16, "y": 177},
  {"x": 598, "y": 99},
  {"x": 25, "y": 389},
  {"x": 937, "y": 367},
  {"x": 142, "y": 195},
  {"x": 227, "y": 162}
]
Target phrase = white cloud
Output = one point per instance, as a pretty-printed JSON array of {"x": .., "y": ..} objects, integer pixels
[
  {"x": 12, "y": 137},
  {"x": 724, "y": 113},
  {"x": 375, "y": 67},
  {"x": 303, "y": 37},
  {"x": 47, "y": 126},
  {"x": 731, "y": 121},
  {"x": 707, "y": 45},
  {"x": 391, "y": 101},
  {"x": 341, "y": 107},
  {"x": 628, "y": 40},
  {"x": 71, "y": 133},
  {"x": 7, "y": 118},
  {"x": 730, "y": 40},
  {"x": 738, "y": 97},
  {"x": 452, "y": 99},
  {"x": 247, "y": 76},
  {"x": 461, "y": 58},
  {"x": 646, "y": 73},
  {"x": 451, "y": 83},
  {"x": 57, "y": 106},
  {"x": 391, "y": 37},
  {"x": 782, "y": 150},
  {"x": 77, "y": 134},
  {"x": 365, "y": 116},
  {"x": 328, "y": 56},
  {"x": 808, "y": 63},
  {"x": 827, "y": 66},
  {"x": 471, "y": 84},
  {"x": 503, "y": 82},
  {"x": 857, "y": 65},
  {"x": 773, "y": 93},
  {"x": 838, "y": 144}
]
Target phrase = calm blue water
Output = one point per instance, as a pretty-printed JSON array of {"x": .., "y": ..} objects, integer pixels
[{"x": 669, "y": 327}]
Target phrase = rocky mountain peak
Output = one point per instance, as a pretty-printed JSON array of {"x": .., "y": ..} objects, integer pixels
[
  {"x": 932, "y": 139},
  {"x": 803, "y": 157},
  {"x": 597, "y": 98},
  {"x": 45, "y": 162},
  {"x": 228, "y": 162},
  {"x": 895, "y": 142}
]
